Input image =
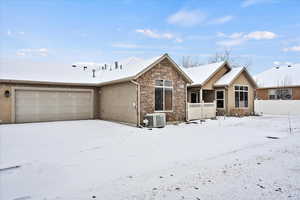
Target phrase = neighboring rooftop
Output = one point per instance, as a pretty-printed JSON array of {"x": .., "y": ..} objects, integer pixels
[
  {"x": 200, "y": 74},
  {"x": 279, "y": 76}
]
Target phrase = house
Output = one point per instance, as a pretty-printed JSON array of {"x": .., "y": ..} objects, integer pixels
[
  {"x": 231, "y": 88},
  {"x": 279, "y": 83},
  {"x": 122, "y": 92}
]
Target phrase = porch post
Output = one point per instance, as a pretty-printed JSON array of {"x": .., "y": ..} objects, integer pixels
[{"x": 201, "y": 97}]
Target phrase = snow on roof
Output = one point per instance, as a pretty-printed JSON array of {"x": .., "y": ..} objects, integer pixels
[
  {"x": 65, "y": 73},
  {"x": 201, "y": 73},
  {"x": 130, "y": 68},
  {"x": 227, "y": 78},
  {"x": 279, "y": 76}
]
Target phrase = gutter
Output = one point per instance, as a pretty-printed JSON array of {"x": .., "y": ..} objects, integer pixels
[
  {"x": 138, "y": 102},
  {"x": 274, "y": 87},
  {"x": 46, "y": 82}
]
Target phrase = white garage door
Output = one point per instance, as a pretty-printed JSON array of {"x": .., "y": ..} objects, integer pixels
[{"x": 51, "y": 105}]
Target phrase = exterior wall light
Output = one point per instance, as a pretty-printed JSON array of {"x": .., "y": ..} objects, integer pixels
[{"x": 7, "y": 93}]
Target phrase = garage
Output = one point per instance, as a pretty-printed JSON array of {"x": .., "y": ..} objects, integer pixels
[{"x": 51, "y": 104}]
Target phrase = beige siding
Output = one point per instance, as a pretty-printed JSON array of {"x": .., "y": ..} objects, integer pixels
[
  {"x": 209, "y": 85},
  {"x": 118, "y": 102},
  {"x": 5, "y": 104},
  {"x": 7, "y": 110},
  {"x": 240, "y": 80}
]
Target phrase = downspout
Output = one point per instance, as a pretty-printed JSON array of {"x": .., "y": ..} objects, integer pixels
[
  {"x": 186, "y": 104},
  {"x": 138, "y": 102}
]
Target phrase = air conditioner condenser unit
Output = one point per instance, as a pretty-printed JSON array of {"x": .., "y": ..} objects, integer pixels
[{"x": 155, "y": 120}]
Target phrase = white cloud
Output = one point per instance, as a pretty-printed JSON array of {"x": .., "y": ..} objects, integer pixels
[
  {"x": 148, "y": 33},
  {"x": 222, "y": 20},
  {"x": 276, "y": 63},
  {"x": 178, "y": 40},
  {"x": 221, "y": 34},
  {"x": 13, "y": 33},
  {"x": 239, "y": 38},
  {"x": 261, "y": 35},
  {"x": 32, "y": 52},
  {"x": 187, "y": 18},
  {"x": 236, "y": 35},
  {"x": 153, "y": 34},
  {"x": 125, "y": 45},
  {"x": 294, "y": 48},
  {"x": 247, "y": 3}
]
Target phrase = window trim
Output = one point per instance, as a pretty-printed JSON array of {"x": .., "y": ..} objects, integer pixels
[
  {"x": 239, "y": 98},
  {"x": 156, "y": 86},
  {"x": 220, "y": 99}
]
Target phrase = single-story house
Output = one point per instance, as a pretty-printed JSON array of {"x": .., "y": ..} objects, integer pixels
[
  {"x": 124, "y": 92},
  {"x": 231, "y": 88},
  {"x": 279, "y": 83}
]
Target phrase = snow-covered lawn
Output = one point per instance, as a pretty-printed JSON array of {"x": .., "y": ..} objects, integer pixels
[{"x": 228, "y": 158}]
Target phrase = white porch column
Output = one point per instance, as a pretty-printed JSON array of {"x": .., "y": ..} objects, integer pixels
[{"x": 201, "y": 97}]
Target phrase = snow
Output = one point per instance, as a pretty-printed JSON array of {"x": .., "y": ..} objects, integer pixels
[
  {"x": 65, "y": 73},
  {"x": 229, "y": 76},
  {"x": 281, "y": 76},
  {"x": 228, "y": 158},
  {"x": 201, "y": 73}
]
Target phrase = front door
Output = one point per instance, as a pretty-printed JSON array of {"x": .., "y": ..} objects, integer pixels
[{"x": 220, "y": 99}]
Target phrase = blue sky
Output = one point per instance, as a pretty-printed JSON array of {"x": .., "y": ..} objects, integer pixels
[{"x": 68, "y": 31}]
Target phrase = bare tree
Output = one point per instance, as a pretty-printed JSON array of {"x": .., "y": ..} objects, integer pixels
[
  {"x": 188, "y": 61},
  {"x": 221, "y": 56},
  {"x": 225, "y": 55},
  {"x": 235, "y": 61}
]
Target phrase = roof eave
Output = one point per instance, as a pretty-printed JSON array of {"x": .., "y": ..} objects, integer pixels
[
  {"x": 284, "y": 86},
  {"x": 188, "y": 79},
  {"x": 116, "y": 81},
  {"x": 46, "y": 82},
  {"x": 249, "y": 76},
  {"x": 224, "y": 64}
]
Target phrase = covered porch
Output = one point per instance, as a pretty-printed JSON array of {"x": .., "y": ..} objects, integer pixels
[{"x": 205, "y": 103}]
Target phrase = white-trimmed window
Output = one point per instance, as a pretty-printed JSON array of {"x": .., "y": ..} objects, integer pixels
[
  {"x": 163, "y": 95},
  {"x": 220, "y": 98},
  {"x": 281, "y": 93},
  {"x": 241, "y": 96}
]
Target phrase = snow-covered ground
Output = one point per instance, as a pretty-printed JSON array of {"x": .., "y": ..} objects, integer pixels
[{"x": 228, "y": 158}]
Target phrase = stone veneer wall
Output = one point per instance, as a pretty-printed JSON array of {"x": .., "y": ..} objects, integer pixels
[{"x": 163, "y": 71}]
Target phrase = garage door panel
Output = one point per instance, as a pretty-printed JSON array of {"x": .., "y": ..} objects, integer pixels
[{"x": 39, "y": 105}]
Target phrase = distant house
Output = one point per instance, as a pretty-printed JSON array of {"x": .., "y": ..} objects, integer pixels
[
  {"x": 231, "y": 88},
  {"x": 279, "y": 83},
  {"x": 122, "y": 92}
]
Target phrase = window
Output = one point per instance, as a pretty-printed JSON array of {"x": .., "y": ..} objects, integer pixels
[
  {"x": 282, "y": 93},
  {"x": 220, "y": 96},
  {"x": 195, "y": 97},
  {"x": 241, "y": 96},
  {"x": 163, "y": 95}
]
